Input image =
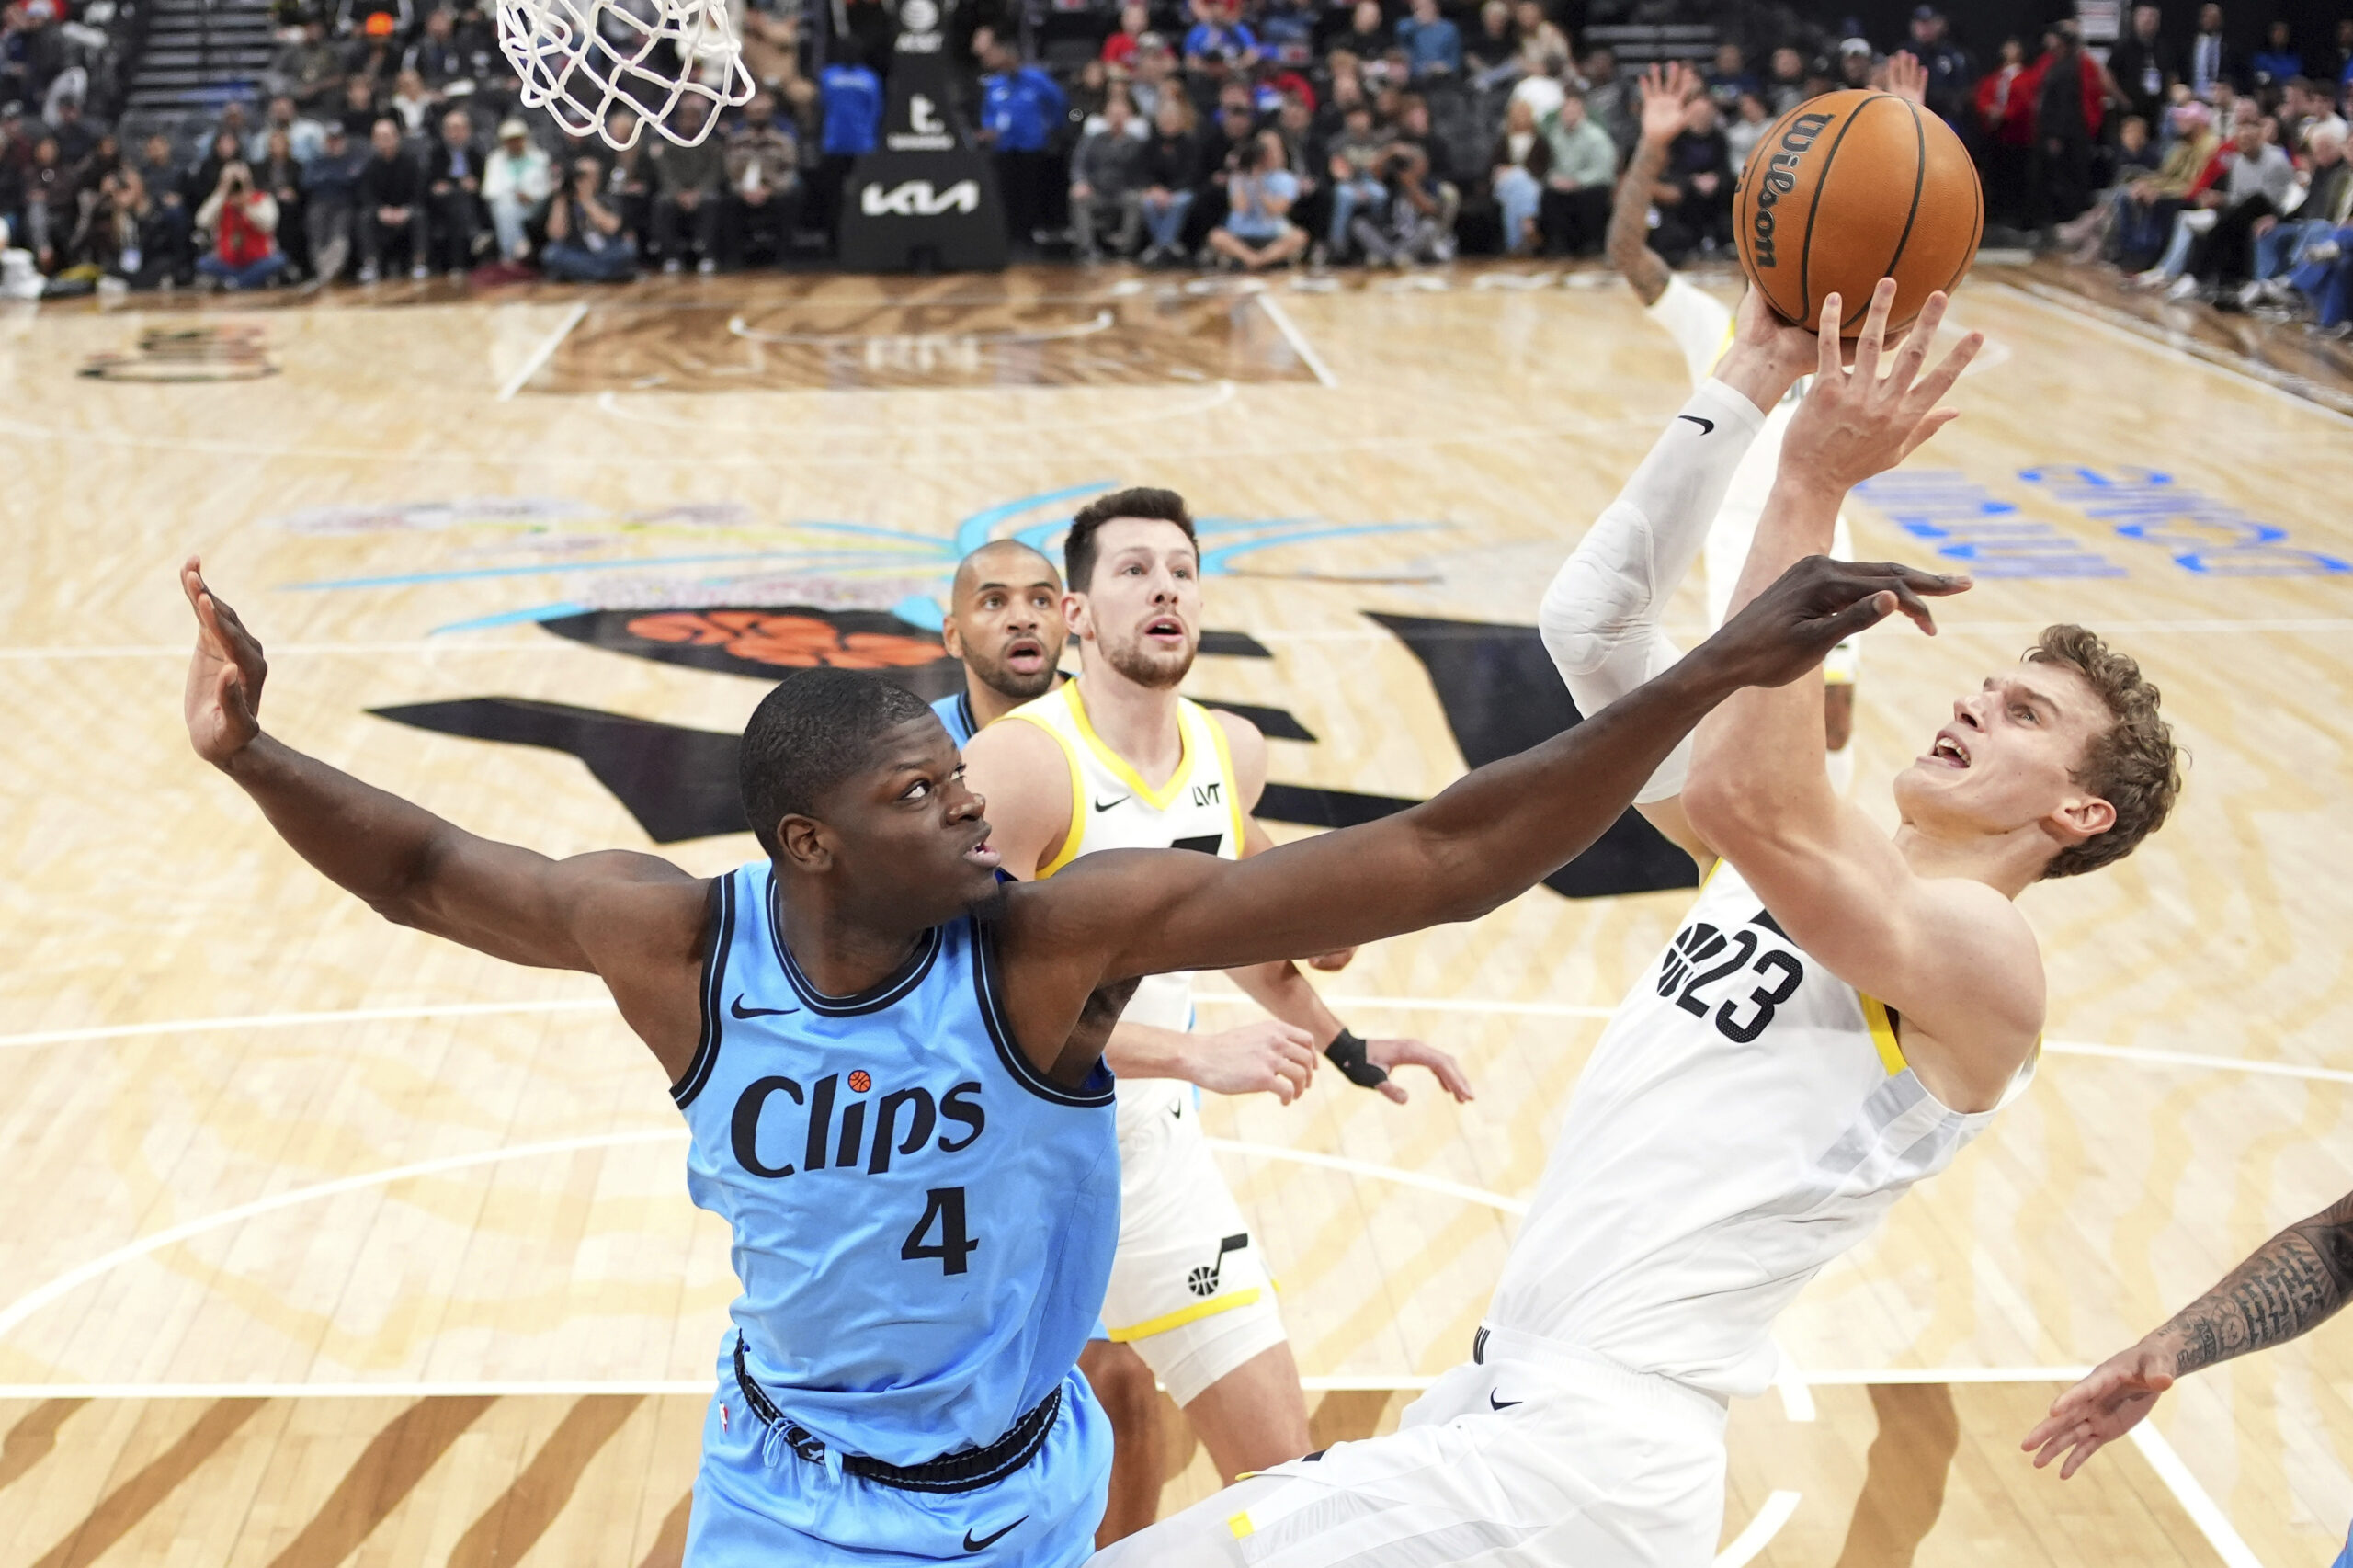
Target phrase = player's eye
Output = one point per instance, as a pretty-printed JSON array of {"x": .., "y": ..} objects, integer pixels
[
  {"x": 2022, "y": 713},
  {"x": 916, "y": 790}
]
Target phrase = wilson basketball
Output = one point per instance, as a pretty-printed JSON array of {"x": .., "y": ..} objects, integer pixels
[{"x": 1851, "y": 188}]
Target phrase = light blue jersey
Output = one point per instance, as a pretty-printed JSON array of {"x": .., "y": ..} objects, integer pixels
[
  {"x": 923, "y": 1227},
  {"x": 955, "y": 712}
]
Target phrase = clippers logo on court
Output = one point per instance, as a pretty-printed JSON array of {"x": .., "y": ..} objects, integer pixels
[
  {"x": 790, "y": 640},
  {"x": 188, "y": 354},
  {"x": 916, "y": 199},
  {"x": 781, "y": 1128},
  {"x": 1780, "y": 177}
]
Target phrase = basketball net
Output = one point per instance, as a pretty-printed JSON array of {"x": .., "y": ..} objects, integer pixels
[{"x": 582, "y": 61}]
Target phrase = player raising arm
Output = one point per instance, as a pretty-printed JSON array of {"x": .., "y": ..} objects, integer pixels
[{"x": 2292, "y": 1284}]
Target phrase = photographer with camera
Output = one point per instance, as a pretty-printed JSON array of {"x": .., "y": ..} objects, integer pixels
[
  {"x": 125, "y": 233},
  {"x": 243, "y": 221},
  {"x": 586, "y": 243},
  {"x": 1258, "y": 232}
]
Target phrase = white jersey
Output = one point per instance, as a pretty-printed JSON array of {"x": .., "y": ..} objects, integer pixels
[
  {"x": 1112, "y": 808},
  {"x": 1701, "y": 325},
  {"x": 1746, "y": 1118}
]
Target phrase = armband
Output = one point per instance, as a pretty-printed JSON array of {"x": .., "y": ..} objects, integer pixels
[{"x": 1348, "y": 1053}]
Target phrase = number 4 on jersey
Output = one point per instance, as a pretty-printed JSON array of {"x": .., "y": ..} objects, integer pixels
[{"x": 945, "y": 1205}]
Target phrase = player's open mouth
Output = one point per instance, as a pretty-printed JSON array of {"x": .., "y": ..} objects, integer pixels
[
  {"x": 1949, "y": 751},
  {"x": 1168, "y": 628},
  {"x": 983, "y": 855},
  {"x": 1025, "y": 655}
]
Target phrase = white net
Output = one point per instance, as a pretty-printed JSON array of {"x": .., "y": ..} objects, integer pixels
[{"x": 610, "y": 68}]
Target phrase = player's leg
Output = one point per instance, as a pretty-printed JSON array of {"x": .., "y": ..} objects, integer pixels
[
  {"x": 1253, "y": 1417},
  {"x": 1124, "y": 1387}
]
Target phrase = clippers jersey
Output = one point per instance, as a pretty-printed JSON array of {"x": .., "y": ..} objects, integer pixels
[
  {"x": 1746, "y": 1118},
  {"x": 923, "y": 1222},
  {"x": 1111, "y": 808},
  {"x": 956, "y": 711}
]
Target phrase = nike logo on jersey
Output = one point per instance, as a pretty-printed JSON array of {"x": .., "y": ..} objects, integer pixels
[
  {"x": 1707, "y": 426},
  {"x": 740, "y": 1011},
  {"x": 1494, "y": 1404},
  {"x": 1107, "y": 805},
  {"x": 988, "y": 1540}
]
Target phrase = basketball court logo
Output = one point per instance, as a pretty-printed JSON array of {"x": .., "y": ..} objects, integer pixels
[{"x": 188, "y": 354}]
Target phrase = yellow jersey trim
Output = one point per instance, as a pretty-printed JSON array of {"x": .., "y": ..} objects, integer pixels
[
  {"x": 1076, "y": 831},
  {"x": 1890, "y": 1053},
  {"x": 1241, "y": 1525},
  {"x": 1225, "y": 771},
  {"x": 1184, "y": 1315},
  {"x": 1119, "y": 765}
]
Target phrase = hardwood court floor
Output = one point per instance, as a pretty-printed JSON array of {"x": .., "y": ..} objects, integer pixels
[{"x": 333, "y": 1244}]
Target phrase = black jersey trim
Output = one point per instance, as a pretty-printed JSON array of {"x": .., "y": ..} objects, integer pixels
[
  {"x": 986, "y": 985},
  {"x": 893, "y": 987},
  {"x": 715, "y": 980},
  {"x": 964, "y": 713}
]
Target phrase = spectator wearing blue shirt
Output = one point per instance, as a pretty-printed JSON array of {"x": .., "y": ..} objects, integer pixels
[
  {"x": 1258, "y": 232},
  {"x": 1021, "y": 108},
  {"x": 849, "y": 108},
  {"x": 1730, "y": 77},
  {"x": 2276, "y": 61},
  {"x": 1219, "y": 46},
  {"x": 1433, "y": 44}
]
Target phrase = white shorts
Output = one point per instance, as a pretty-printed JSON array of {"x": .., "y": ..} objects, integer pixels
[
  {"x": 1544, "y": 1457},
  {"x": 1189, "y": 1288}
]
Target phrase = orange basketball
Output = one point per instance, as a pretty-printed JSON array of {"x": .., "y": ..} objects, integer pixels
[{"x": 1851, "y": 188}]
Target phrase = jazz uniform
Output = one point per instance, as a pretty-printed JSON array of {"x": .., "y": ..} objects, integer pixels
[
  {"x": 923, "y": 1226},
  {"x": 1188, "y": 1288},
  {"x": 1746, "y": 1118}
]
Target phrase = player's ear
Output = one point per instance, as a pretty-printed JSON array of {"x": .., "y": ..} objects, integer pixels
[
  {"x": 951, "y": 639},
  {"x": 2077, "y": 818},
  {"x": 1075, "y": 613},
  {"x": 806, "y": 845}
]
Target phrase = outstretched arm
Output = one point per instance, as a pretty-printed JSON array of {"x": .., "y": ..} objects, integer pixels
[
  {"x": 1665, "y": 90},
  {"x": 635, "y": 920},
  {"x": 2295, "y": 1282}
]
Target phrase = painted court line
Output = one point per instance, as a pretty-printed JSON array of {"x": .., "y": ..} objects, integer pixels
[
  {"x": 1760, "y": 1531},
  {"x": 545, "y": 351},
  {"x": 1297, "y": 339},
  {"x": 2212, "y": 1522}
]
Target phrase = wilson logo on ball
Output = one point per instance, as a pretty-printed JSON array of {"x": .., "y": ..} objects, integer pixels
[{"x": 1780, "y": 177}]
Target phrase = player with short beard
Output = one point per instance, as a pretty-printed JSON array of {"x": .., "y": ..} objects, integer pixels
[
  {"x": 1004, "y": 621},
  {"x": 1116, "y": 760}
]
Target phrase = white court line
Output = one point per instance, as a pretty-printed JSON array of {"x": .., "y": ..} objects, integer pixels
[
  {"x": 1797, "y": 1399},
  {"x": 1297, "y": 339},
  {"x": 545, "y": 352},
  {"x": 2212, "y": 1522},
  {"x": 1379, "y": 1173},
  {"x": 292, "y": 1020},
  {"x": 1760, "y": 1531}
]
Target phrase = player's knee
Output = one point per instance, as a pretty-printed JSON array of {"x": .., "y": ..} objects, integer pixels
[{"x": 1123, "y": 1385}]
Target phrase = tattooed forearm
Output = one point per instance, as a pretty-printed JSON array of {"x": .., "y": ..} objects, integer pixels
[
  {"x": 2294, "y": 1283},
  {"x": 1629, "y": 221}
]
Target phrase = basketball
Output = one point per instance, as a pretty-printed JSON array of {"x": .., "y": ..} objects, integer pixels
[{"x": 1851, "y": 188}]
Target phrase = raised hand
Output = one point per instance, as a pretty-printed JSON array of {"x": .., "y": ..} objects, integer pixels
[
  {"x": 2102, "y": 1408},
  {"x": 1665, "y": 90},
  {"x": 1857, "y": 423},
  {"x": 1267, "y": 1056},
  {"x": 1906, "y": 78},
  {"x": 225, "y": 677},
  {"x": 1392, "y": 1055},
  {"x": 1813, "y": 607}
]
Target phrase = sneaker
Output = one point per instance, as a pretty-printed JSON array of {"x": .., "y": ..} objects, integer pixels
[
  {"x": 2185, "y": 289},
  {"x": 706, "y": 266},
  {"x": 369, "y": 273},
  {"x": 2321, "y": 250},
  {"x": 2156, "y": 278},
  {"x": 670, "y": 266},
  {"x": 1151, "y": 255},
  {"x": 419, "y": 273}
]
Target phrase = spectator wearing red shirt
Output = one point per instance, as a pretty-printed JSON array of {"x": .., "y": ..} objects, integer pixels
[
  {"x": 2071, "y": 103},
  {"x": 2005, "y": 122},
  {"x": 243, "y": 222},
  {"x": 1119, "y": 49}
]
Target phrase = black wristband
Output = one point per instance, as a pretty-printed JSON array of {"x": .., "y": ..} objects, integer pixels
[{"x": 1346, "y": 1052}]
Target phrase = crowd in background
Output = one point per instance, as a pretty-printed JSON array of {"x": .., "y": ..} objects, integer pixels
[{"x": 1240, "y": 133}]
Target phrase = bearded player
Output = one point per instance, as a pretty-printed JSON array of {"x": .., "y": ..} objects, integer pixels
[
  {"x": 1841, "y": 1012},
  {"x": 1117, "y": 759},
  {"x": 1005, "y": 622}
]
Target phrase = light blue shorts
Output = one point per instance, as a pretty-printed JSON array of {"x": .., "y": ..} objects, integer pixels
[{"x": 760, "y": 1504}]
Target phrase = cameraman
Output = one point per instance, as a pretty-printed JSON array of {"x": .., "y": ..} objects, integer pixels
[
  {"x": 1258, "y": 232},
  {"x": 243, "y": 221},
  {"x": 586, "y": 243},
  {"x": 125, "y": 234}
]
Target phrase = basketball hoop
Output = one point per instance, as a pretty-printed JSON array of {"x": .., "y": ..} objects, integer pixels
[{"x": 583, "y": 59}]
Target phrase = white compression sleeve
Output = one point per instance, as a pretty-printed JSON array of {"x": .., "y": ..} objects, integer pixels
[{"x": 1600, "y": 616}]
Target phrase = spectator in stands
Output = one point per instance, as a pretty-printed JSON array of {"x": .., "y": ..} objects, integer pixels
[
  {"x": 435, "y": 59},
  {"x": 585, "y": 242},
  {"x": 198, "y": 183},
  {"x": 1155, "y": 68},
  {"x": 2133, "y": 159},
  {"x": 453, "y": 191},
  {"x": 1258, "y": 232},
  {"x": 1854, "y": 63},
  {"x": 1020, "y": 107},
  {"x": 124, "y": 234},
  {"x": 310, "y": 72},
  {"x": 516, "y": 180},
  {"x": 1516, "y": 171},
  {"x": 1583, "y": 170},
  {"x": 2070, "y": 104},
  {"x": 2146, "y": 207},
  {"x": 40, "y": 52},
  {"x": 331, "y": 203},
  {"x": 1355, "y": 157},
  {"x": 2327, "y": 204},
  {"x": 359, "y": 112},
  {"x": 1106, "y": 183},
  {"x": 2278, "y": 60},
  {"x": 1225, "y": 145},
  {"x": 1542, "y": 44},
  {"x": 77, "y": 138},
  {"x": 1287, "y": 33},
  {"x": 1951, "y": 70},
  {"x": 1694, "y": 192},
  {"x": 772, "y": 54},
  {"x": 159, "y": 179},
  {"x": 764, "y": 178},
  {"x": 872, "y": 29},
  {"x": 375, "y": 58},
  {"x": 1607, "y": 102},
  {"x": 48, "y": 202},
  {"x": 2211, "y": 61},
  {"x": 687, "y": 181},
  {"x": 414, "y": 102},
  {"x": 1366, "y": 39},
  {"x": 2006, "y": 97},
  {"x": 243, "y": 220},
  {"x": 1171, "y": 169},
  {"x": 1491, "y": 55},
  {"x": 2248, "y": 181},
  {"x": 1119, "y": 49},
  {"x": 1785, "y": 80},
  {"x": 304, "y": 135},
  {"x": 1747, "y": 130},
  {"x": 1729, "y": 76},
  {"x": 2144, "y": 67},
  {"x": 391, "y": 206},
  {"x": 280, "y": 173},
  {"x": 1082, "y": 98},
  {"x": 849, "y": 99},
  {"x": 1305, "y": 156},
  {"x": 1219, "y": 48},
  {"x": 1433, "y": 44}
]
